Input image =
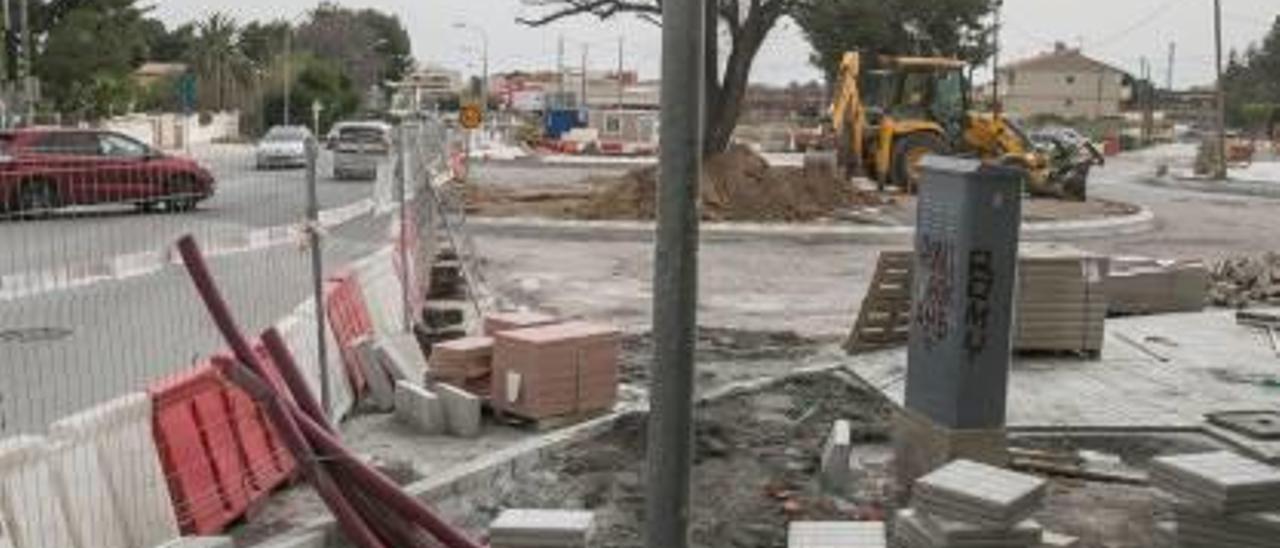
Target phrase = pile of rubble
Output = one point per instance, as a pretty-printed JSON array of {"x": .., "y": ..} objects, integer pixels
[{"x": 1244, "y": 281}]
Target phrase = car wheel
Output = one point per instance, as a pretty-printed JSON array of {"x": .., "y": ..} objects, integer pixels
[
  {"x": 181, "y": 193},
  {"x": 37, "y": 199}
]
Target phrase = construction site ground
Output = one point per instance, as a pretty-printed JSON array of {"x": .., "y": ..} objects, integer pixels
[{"x": 774, "y": 307}]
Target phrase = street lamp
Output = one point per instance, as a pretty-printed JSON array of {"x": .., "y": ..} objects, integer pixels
[{"x": 484, "y": 37}]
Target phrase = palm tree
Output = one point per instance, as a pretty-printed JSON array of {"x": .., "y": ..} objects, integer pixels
[{"x": 218, "y": 58}]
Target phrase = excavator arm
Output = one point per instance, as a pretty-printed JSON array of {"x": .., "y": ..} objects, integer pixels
[{"x": 847, "y": 111}]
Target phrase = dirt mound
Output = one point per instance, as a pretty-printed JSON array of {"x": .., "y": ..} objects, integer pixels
[
  {"x": 738, "y": 185},
  {"x": 1243, "y": 281}
]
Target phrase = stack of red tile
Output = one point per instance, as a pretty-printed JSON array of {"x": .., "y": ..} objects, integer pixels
[
  {"x": 554, "y": 370},
  {"x": 465, "y": 363},
  {"x": 509, "y": 321}
]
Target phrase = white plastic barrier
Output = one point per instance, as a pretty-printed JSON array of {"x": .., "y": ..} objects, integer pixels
[
  {"x": 383, "y": 292},
  {"x": 80, "y": 483},
  {"x": 111, "y": 470},
  {"x": 28, "y": 501},
  {"x": 299, "y": 332}
]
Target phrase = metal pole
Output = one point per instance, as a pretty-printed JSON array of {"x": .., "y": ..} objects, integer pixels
[
  {"x": 997, "y": 104},
  {"x": 1220, "y": 171},
  {"x": 402, "y": 173},
  {"x": 585, "y": 50},
  {"x": 675, "y": 295},
  {"x": 288, "y": 71},
  {"x": 621, "y": 66},
  {"x": 317, "y": 274}
]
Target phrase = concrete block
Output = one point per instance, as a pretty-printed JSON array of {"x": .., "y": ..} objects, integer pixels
[
  {"x": 541, "y": 529},
  {"x": 420, "y": 408},
  {"x": 461, "y": 410},
  {"x": 405, "y": 356},
  {"x": 836, "y": 472},
  {"x": 921, "y": 529},
  {"x": 921, "y": 446},
  {"x": 201, "y": 542},
  {"x": 382, "y": 391},
  {"x": 836, "y": 534}
]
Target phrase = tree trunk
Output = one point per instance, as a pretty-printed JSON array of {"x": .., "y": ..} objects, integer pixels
[
  {"x": 723, "y": 112},
  {"x": 711, "y": 84}
]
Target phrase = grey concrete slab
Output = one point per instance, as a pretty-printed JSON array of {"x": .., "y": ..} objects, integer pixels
[
  {"x": 836, "y": 534},
  {"x": 531, "y": 528},
  {"x": 1221, "y": 481},
  {"x": 420, "y": 408},
  {"x": 201, "y": 542},
  {"x": 836, "y": 471},
  {"x": 461, "y": 410},
  {"x": 980, "y": 494},
  {"x": 1207, "y": 364},
  {"x": 926, "y": 531},
  {"x": 382, "y": 390}
]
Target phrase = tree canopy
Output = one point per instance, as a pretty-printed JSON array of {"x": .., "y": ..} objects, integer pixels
[
  {"x": 950, "y": 28},
  {"x": 1252, "y": 84}
]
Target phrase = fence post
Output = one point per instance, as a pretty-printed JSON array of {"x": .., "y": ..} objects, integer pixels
[
  {"x": 317, "y": 273},
  {"x": 403, "y": 174}
]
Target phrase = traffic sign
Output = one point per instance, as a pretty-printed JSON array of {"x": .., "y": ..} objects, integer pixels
[{"x": 471, "y": 116}]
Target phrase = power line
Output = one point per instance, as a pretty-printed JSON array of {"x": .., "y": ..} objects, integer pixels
[{"x": 1150, "y": 18}]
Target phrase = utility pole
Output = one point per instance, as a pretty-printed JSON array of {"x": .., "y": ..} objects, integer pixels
[
  {"x": 586, "y": 48},
  {"x": 621, "y": 67},
  {"x": 288, "y": 72},
  {"x": 1147, "y": 98},
  {"x": 1173, "y": 55},
  {"x": 28, "y": 85},
  {"x": 669, "y": 449},
  {"x": 1220, "y": 172},
  {"x": 560, "y": 73},
  {"x": 996, "y": 103}
]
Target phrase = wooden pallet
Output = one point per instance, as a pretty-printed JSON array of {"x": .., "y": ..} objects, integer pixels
[{"x": 884, "y": 319}]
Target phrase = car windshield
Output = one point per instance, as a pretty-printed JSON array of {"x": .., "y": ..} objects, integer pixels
[
  {"x": 360, "y": 135},
  {"x": 285, "y": 135}
]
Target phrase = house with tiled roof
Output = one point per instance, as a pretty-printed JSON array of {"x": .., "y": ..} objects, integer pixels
[{"x": 1066, "y": 83}]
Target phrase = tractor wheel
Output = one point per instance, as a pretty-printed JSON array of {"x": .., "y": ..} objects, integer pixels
[{"x": 908, "y": 152}]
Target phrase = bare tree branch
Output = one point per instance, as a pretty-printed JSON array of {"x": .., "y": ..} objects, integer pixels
[{"x": 602, "y": 9}]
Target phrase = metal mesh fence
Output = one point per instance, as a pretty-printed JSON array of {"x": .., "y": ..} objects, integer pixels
[{"x": 114, "y": 428}]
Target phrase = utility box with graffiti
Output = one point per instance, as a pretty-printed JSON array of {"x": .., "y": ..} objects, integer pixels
[{"x": 966, "y": 252}]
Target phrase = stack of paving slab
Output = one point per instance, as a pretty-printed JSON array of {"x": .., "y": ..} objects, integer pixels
[
  {"x": 541, "y": 529},
  {"x": 556, "y": 370},
  {"x": 835, "y": 534},
  {"x": 465, "y": 363},
  {"x": 1149, "y": 286},
  {"x": 966, "y": 504},
  {"x": 1222, "y": 500},
  {"x": 1062, "y": 299}
]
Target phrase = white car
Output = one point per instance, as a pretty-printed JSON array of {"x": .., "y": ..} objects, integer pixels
[
  {"x": 283, "y": 147},
  {"x": 359, "y": 148}
]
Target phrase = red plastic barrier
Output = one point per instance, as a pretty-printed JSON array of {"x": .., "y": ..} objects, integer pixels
[
  {"x": 349, "y": 318},
  {"x": 219, "y": 453}
]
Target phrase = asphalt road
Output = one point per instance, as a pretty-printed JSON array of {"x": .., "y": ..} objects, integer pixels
[{"x": 245, "y": 199}]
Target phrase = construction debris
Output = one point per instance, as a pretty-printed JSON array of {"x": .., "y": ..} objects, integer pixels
[
  {"x": 1246, "y": 281},
  {"x": 1223, "y": 499},
  {"x": 836, "y": 470}
]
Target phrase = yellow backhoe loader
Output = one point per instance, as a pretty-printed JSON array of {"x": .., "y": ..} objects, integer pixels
[{"x": 888, "y": 118}]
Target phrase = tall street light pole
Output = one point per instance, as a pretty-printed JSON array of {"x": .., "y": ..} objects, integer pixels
[
  {"x": 1220, "y": 171},
  {"x": 484, "y": 81},
  {"x": 669, "y": 449}
]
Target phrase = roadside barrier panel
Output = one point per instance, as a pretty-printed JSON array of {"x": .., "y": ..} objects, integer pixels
[
  {"x": 299, "y": 332},
  {"x": 34, "y": 516},
  {"x": 117, "y": 437},
  {"x": 265, "y": 457},
  {"x": 349, "y": 317},
  {"x": 196, "y": 440},
  {"x": 381, "y": 280},
  {"x": 81, "y": 485}
]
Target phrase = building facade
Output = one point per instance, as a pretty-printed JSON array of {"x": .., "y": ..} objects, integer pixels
[{"x": 1064, "y": 83}]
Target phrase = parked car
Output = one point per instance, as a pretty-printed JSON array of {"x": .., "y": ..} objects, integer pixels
[
  {"x": 43, "y": 169},
  {"x": 283, "y": 147},
  {"x": 358, "y": 149}
]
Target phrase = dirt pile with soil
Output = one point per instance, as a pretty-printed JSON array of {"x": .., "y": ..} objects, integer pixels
[
  {"x": 1244, "y": 281},
  {"x": 738, "y": 185}
]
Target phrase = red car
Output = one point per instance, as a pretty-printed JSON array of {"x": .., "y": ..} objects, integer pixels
[{"x": 43, "y": 169}]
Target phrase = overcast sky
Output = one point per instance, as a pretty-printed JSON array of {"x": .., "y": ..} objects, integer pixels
[{"x": 1120, "y": 32}]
